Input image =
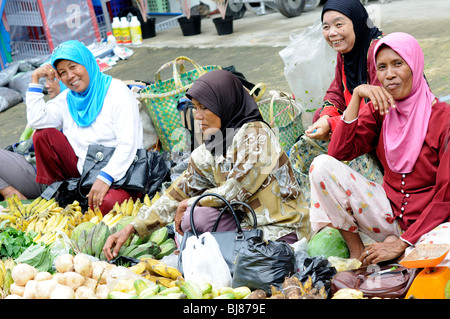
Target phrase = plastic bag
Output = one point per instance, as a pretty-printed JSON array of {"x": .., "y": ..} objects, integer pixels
[
  {"x": 320, "y": 270},
  {"x": 344, "y": 264},
  {"x": 309, "y": 65},
  {"x": 124, "y": 277},
  {"x": 203, "y": 262},
  {"x": 260, "y": 264},
  {"x": 300, "y": 252}
]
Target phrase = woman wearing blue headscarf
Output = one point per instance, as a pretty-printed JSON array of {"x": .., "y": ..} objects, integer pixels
[{"x": 95, "y": 109}]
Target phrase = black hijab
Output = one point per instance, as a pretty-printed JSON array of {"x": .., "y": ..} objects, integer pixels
[
  {"x": 355, "y": 61},
  {"x": 223, "y": 94}
]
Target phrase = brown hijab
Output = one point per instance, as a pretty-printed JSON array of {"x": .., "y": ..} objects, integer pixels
[{"x": 223, "y": 94}]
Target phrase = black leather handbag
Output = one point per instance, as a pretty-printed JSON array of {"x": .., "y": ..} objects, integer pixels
[
  {"x": 98, "y": 156},
  {"x": 229, "y": 242}
]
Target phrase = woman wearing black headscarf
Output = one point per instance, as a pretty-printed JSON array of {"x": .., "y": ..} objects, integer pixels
[
  {"x": 241, "y": 160},
  {"x": 347, "y": 28}
]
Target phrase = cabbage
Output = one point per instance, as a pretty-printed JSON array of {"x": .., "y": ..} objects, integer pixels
[{"x": 328, "y": 242}]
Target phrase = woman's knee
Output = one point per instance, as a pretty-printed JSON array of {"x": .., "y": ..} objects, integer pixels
[
  {"x": 42, "y": 135},
  {"x": 320, "y": 165}
]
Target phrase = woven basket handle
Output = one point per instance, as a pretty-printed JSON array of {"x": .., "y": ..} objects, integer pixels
[
  {"x": 176, "y": 75},
  {"x": 167, "y": 65},
  {"x": 261, "y": 86},
  {"x": 289, "y": 107}
]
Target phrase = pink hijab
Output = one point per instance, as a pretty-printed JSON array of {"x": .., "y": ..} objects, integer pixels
[{"x": 406, "y": 125}]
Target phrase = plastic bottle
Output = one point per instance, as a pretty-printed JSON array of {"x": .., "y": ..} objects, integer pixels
[
  {"x": 115, "y": 25},
  {"x": 135, "y": 30},
  {"x": 125, "y": 31},
  {"x": 110, "y": 38}
]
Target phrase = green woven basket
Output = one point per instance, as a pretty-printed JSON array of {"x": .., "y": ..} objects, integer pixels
[
  {"x": 162, "y": 98},
  {"x": 284, "y": 116}
]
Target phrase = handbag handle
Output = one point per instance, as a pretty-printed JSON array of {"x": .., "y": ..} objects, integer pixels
[
  {"x": 255, "y": 223},
  {"x": 239, "y": 229}
]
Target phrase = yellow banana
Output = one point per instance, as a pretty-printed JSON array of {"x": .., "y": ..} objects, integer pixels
[
  {"x": 114, "y": 220},
  {"x": 9, "y": 217},
  {"x": 98, "y": 213},
  {"x": 40, "y": 224},
  {"x": 150, "y": 262},
  {"x": 48, "y": 204},
  {"x": 57, "y": 209},
  {"x": 137, "y": 205},
  {"x": 50, "y": 222},
  {"x": 123, "y": 206},
  {"x": 13, "y": 207},
  {"x": 31, "y": 205},
  {"x": 31, "y": 225},
  {"x": 166, "y": 271},
  {"x": 95, "y": 220},
  {"x": 109, "y": 216},
  {"x": 166, "y": 282},
  {"x": 139, "y": 268},
  {"x": 19, "y": 205},
  {"x": 147, "y": 200},
  {"x": 129, "y": 207},
  {"x": 35, "y": 238},
  {"x": 116, "y": 207},
  {"x": 22, "y": 224}
]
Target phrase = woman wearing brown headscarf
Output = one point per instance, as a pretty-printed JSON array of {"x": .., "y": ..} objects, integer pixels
[{"x": 241, "y": 160}]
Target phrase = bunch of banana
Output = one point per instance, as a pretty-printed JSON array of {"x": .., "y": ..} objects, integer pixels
[
  {"x": 93, "y": 215},
  {"x": 20, "y": 215},
  {"x": 129, "y": 207},
  {"x": 157, "y": 271},
  {"x": 149, "y": 202},
  {"x": 91, "y": 242},
  {"x": 6, "y": 280},
  {"x": 46, "y": 223}
]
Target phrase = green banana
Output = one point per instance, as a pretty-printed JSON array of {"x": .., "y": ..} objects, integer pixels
[
  {"x": 150, "y": 291},
  {"x": 99, "y": 238},
  {"x": 140, "y": 285},
  {"x": 168, "y": 247},
  {"x": 82, "y": 238},
  {"x": 159, "y": 236},
  {"x": 128, "y": 250},
  {"x": 191, "y": 289}
]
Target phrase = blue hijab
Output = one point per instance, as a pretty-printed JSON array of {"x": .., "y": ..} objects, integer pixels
[{"x": 83, "y": 107}]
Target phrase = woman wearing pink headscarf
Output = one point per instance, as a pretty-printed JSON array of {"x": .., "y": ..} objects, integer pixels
[{"x": 410, "y": 131}]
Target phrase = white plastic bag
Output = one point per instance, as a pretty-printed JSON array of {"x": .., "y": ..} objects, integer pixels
[
  {"x": 309, "y": 65},
  {"x": 203, "y": 262}
]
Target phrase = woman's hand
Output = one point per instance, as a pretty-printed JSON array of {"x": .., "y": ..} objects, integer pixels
[
  {"x": 381, "y": 99},
  {"x": 389, "y": 249},
  {"x": 319, "y": 130},
  {"x": 116, "y": 241},
  {"x": 45, "y": 71},
  {"x": 97, "y": 193},
  {"x": 179, "y": 215}
]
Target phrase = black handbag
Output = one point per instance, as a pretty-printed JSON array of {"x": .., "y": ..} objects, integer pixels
[
  {"x": 98, "y": 156},
  {"x": 229, "y": 242}
]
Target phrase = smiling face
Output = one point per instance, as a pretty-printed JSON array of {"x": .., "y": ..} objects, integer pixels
[
  {"x": 337, "y": 29},
  {"x": 394, "y": 73},
  {"x": 73, "y": 75},
  {"x": 210, "y": 122}
]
